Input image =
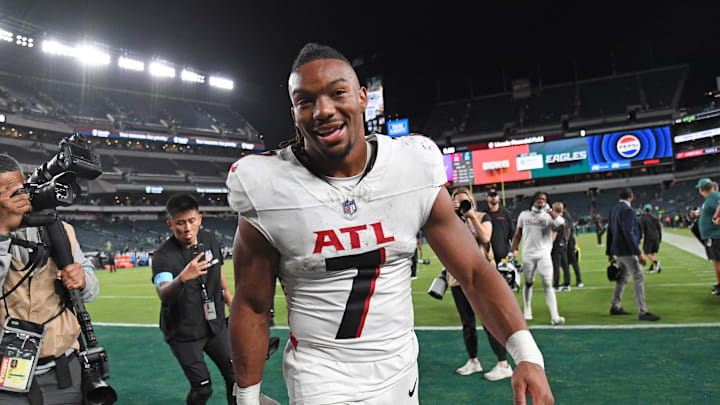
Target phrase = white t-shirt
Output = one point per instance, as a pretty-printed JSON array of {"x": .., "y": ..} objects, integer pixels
[
  {"x": 345, "y": 252},
  {"x": 537, "y": 230}
]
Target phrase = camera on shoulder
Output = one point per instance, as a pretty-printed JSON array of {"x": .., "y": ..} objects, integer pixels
[{"x": 54, "y": 183}]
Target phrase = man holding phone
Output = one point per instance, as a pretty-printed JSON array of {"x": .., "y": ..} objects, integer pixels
[{"x": 187, "y": 273}]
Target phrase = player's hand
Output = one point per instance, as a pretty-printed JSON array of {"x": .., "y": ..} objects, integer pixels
[
  {"x": 641, "y": 259},
  {"x": 194, "y": 269},
  {"x": 72, "y": 276},
  {"x": 12, "y": 208},
  {"x": 514, "y": 254},
  {"x": 529, "y": 379}
]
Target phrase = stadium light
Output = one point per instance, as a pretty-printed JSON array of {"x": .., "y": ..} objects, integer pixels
[
  {"x": 131, "y": 64},
  {"x": 91, "y": 56},
  {"x": 222, "y": 83},
  {"x": 189, "y": 76},
  {"x": 22, "y": 40},
  {"x": 158, "y": 69},
  {"x": 6, "y": 35},
  {"x": 55, "y": 48}
]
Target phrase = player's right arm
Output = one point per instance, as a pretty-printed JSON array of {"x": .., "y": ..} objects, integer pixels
[
  {"x": 255, "y": 262},
  {"x": 491, "y": 299}
]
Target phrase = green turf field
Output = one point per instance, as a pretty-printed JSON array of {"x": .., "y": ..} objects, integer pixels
[{"x": 593, "y": 359}]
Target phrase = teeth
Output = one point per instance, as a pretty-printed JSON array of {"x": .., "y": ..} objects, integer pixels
[{"x": 327, "y": 131}]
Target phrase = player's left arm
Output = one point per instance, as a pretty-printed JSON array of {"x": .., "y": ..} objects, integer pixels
[{"x": 490, "y": 297}]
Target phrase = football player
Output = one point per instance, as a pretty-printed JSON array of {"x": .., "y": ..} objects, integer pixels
[
  {"x": 536, "y": 228},
  {"x": 335, "y": 214}
]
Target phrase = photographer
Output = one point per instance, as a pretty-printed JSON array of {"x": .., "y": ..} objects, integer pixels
[
  {"x": 481, "y": 227},
  {"x": 57, "y": 375},
  {"x": 187, "y": 272},
  {"x": 559, "y": 251}
]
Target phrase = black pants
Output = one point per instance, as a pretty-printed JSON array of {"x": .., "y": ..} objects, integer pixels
[
  {"x": 572, "y": 260},
  {"x": 559, "y": 259},
  {"x": 190, "y": 357},
  {"x": 467, "y": 317},
  {"x": 600, "y": 231}
]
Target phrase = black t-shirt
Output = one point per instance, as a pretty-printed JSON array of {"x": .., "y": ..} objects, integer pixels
[
  {"x": 650, "y": 227},
  {"x": 560, "y": 243},
  {"x": 569, "y": 224},
  {"x": 502, "y": 232},
  {"x": 182, "y": 319}
]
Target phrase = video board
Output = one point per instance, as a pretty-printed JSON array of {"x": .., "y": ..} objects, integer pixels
[
  {"x": 610, "y": 151},
  {"x": 696, "y": 137}
]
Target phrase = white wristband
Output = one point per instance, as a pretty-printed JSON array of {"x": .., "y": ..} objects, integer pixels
[
  {"x": 247, "y": 396},
  {"x": 522, "y": 347}
]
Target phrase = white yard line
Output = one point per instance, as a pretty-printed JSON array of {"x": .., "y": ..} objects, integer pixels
[{"x": 686, "y": 243}]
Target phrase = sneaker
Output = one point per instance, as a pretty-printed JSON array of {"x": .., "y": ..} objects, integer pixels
[
  {"x": 650, "y": 270},
  {"x": 557, "y": 289},
  {"x": 469, "y": 368},
  {"x": 499, "y": 372},
  {"x": 658, "y": 268},
  {"x": 715, "y": 290},
  {"x": 528, "y": 315},
  {"x": 580, "y": 285},
  {"x": 558, "y": 321},
  {"x": 618, "y": 311},
  {"x": 647, "y": 316},
  {"x": 565, "y": 288}
]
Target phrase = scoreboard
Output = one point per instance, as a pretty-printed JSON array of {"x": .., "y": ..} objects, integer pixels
[
  {"x": 462, "y": 168},
  {"x": 611, "y": 151}
]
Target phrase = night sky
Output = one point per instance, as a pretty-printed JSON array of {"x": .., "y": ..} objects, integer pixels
[{"x": 418, "y": 49}]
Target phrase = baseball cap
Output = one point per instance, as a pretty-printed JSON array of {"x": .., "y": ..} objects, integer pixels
[
  {"x": 703, "y": 182},
  {"x": 647, "y": 207},
  {"x": 492, "y": 192}
]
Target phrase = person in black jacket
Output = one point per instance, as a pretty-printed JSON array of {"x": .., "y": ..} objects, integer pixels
[
  {"x": 651, "y": 232},
  {"x": 187, "y": 272},
  {"x": 623, "y": 237},
  {"x": 572, "y": 243},
  {"x": 559, "y": 252}
]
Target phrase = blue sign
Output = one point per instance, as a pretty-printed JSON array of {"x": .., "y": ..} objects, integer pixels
[
  {"x": 398, "y": 127},
  {"x": 617, "y": 150}
]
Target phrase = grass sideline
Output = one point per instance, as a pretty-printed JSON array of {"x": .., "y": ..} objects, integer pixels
[
  {"x": 680, "y": 294},
  {"x": 590, "y": 366}
]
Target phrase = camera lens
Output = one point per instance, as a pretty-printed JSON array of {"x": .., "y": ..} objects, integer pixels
[{"x": 465, "y": 206}]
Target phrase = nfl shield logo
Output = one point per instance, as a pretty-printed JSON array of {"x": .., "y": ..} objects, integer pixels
[{"x": 349, "y": 207}]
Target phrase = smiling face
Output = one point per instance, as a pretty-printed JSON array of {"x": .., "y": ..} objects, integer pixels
[{"x": 327, "y": 109}]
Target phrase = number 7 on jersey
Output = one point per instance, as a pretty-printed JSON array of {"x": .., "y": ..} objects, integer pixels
[{"x": 363, "y": 286}]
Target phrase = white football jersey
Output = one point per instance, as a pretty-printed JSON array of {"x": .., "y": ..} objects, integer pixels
[
  {"x": 345, "y": 252},
  {"x": 537, "y": 230}
]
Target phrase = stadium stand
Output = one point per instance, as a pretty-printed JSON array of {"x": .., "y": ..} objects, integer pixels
[
  {"x": 68, "y": 102},
  {"x": 604, "y": 97},
  {"x": 491, "y": 113},
  {"x": 550, "y": 104},
  {"x": 580, "y": 101}
]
